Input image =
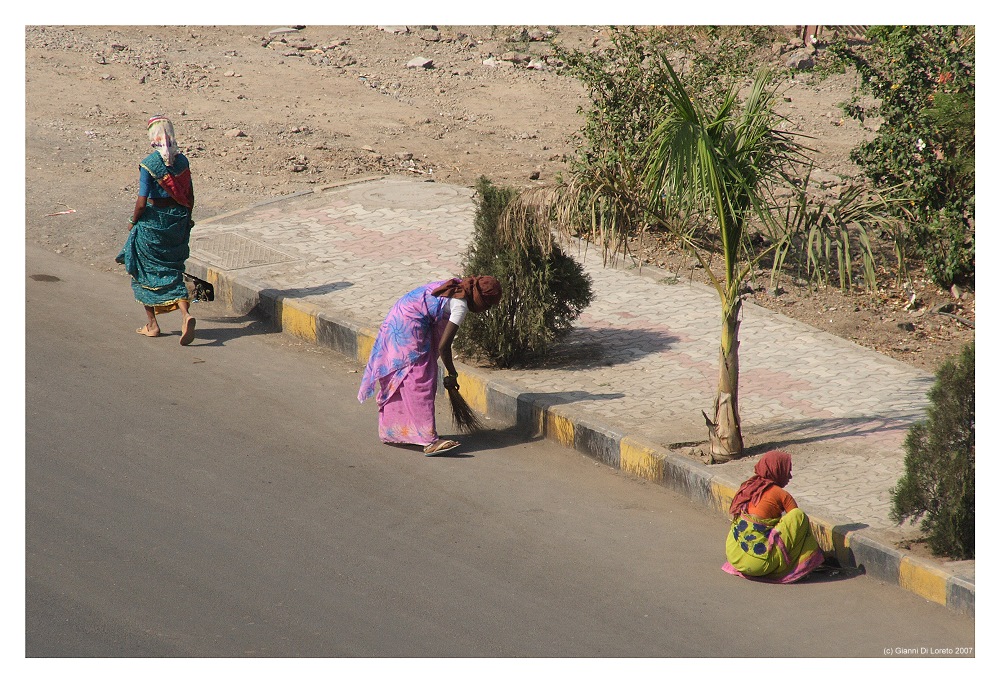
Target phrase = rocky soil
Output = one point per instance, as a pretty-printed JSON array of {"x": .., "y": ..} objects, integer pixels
[{"x": 265, "y": 111}]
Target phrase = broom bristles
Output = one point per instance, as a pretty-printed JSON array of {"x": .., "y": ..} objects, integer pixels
[{"x": 462, "y": 413}]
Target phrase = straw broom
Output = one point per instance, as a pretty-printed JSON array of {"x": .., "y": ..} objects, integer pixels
[{"x": 462, "y": 414}]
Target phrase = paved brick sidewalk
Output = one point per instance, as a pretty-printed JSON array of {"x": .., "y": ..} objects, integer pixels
[{"x": 643, "y": 357}]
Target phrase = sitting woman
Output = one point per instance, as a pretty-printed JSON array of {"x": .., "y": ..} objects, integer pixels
[
  {"x": 403, "y": 366},
  {"x": 770, "y": 538}
]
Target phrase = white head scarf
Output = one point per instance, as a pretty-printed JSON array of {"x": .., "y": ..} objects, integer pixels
[{"x": 161, "y": 138}]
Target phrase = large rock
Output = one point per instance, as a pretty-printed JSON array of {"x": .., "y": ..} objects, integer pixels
[{"x": 801, "y": 60}]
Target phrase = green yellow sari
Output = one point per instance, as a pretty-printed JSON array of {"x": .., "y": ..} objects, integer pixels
[{"x": 779, "y": 550}]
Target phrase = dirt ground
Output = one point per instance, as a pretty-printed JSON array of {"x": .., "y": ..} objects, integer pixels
[{"x": 265, "y": 111}]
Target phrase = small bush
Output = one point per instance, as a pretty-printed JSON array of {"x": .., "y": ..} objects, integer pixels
[
  {"x": 939, "y": 482},
  {"x": 544, "y": 289},
  {"x": 949, "y": 249}
]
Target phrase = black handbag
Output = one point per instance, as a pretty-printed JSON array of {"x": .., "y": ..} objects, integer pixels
[{"x": 201, "y": 290}]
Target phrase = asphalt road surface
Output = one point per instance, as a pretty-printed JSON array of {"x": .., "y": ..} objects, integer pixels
[{"x": 231, "y": 499}]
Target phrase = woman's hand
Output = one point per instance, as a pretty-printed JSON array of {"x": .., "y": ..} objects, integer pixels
[{"x": 450, "y": 382}]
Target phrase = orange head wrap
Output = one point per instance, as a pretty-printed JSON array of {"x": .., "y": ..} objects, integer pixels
[{"x": 774, "y": 468}]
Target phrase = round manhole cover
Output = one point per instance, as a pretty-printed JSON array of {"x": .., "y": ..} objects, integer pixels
[{"x": 402, "y": 194}]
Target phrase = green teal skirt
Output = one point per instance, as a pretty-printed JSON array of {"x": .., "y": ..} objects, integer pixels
[{"x": 154, "y": 255}]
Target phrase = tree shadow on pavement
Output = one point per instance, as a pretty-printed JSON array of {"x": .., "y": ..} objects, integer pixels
[
  {"x": 539, "y": 401},
  {"x": 588, "y": 347},
  {"x": 302, "y": 292},
  {"x": 798, "y": 432}
]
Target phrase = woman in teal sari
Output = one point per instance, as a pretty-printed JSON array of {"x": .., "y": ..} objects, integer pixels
[{"x": 157, "y": 245}]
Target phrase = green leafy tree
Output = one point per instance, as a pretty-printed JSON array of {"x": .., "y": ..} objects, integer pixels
[
  {"x": 939, "y": 482},
  {"x": 686, "y": 155},
  {"x": 625, "y": 86},
  {"x": 706, "y": 171}
]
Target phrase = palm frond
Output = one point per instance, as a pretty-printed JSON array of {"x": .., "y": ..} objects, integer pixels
[{"x": 722, "y": 162}]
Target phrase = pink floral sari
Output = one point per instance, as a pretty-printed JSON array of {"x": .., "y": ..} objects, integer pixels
[{"x": 402, "y": 368}]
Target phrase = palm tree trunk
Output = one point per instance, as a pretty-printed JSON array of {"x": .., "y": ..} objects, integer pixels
[{"x": 725, "y": 435}]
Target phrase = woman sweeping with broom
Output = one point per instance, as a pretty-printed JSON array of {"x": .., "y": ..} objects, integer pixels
[{"x": 402, "y": 369}]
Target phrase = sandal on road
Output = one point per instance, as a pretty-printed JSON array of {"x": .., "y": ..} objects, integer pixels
[
  {"x": 187, "y": 332},
  {"x": 144, "y": 331},
  {"x": 440, "y": 446}
]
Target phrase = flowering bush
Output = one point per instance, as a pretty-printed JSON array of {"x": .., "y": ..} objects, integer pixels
[{"x": 923, "y": 82}]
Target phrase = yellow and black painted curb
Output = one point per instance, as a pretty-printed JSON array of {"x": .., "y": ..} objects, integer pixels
[{"x": 508, "y": 405}]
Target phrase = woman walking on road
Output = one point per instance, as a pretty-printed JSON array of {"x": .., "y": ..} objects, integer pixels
[
  {"x": 157, "y": 245},
  {"x": 770, "y": 538},
  {"x": 402, "y": 368}
]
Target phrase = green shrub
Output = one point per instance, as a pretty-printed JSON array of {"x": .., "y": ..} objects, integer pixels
[
  {"x": 545, "y": 290},
  {"x": 626, "y": 82},
  {"x": 923, "y": 82},
  {"x": 948, "y": 247},
  {"x": 625, "y": 86},
  {"x": 939, "y": 482}
]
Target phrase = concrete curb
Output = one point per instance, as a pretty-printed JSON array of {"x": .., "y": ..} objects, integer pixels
[{"x": 509, "y": 405}]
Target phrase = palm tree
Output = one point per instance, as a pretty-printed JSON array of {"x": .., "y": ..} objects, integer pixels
[{"x": 721, "y": 162}]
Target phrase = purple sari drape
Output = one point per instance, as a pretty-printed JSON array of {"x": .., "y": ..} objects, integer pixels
[{"x": 402, "y": 368}]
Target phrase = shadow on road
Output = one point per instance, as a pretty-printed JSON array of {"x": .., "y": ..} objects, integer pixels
[
  {"x": 490, "y": 439},
  {"x": 226, "y": 329}
]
